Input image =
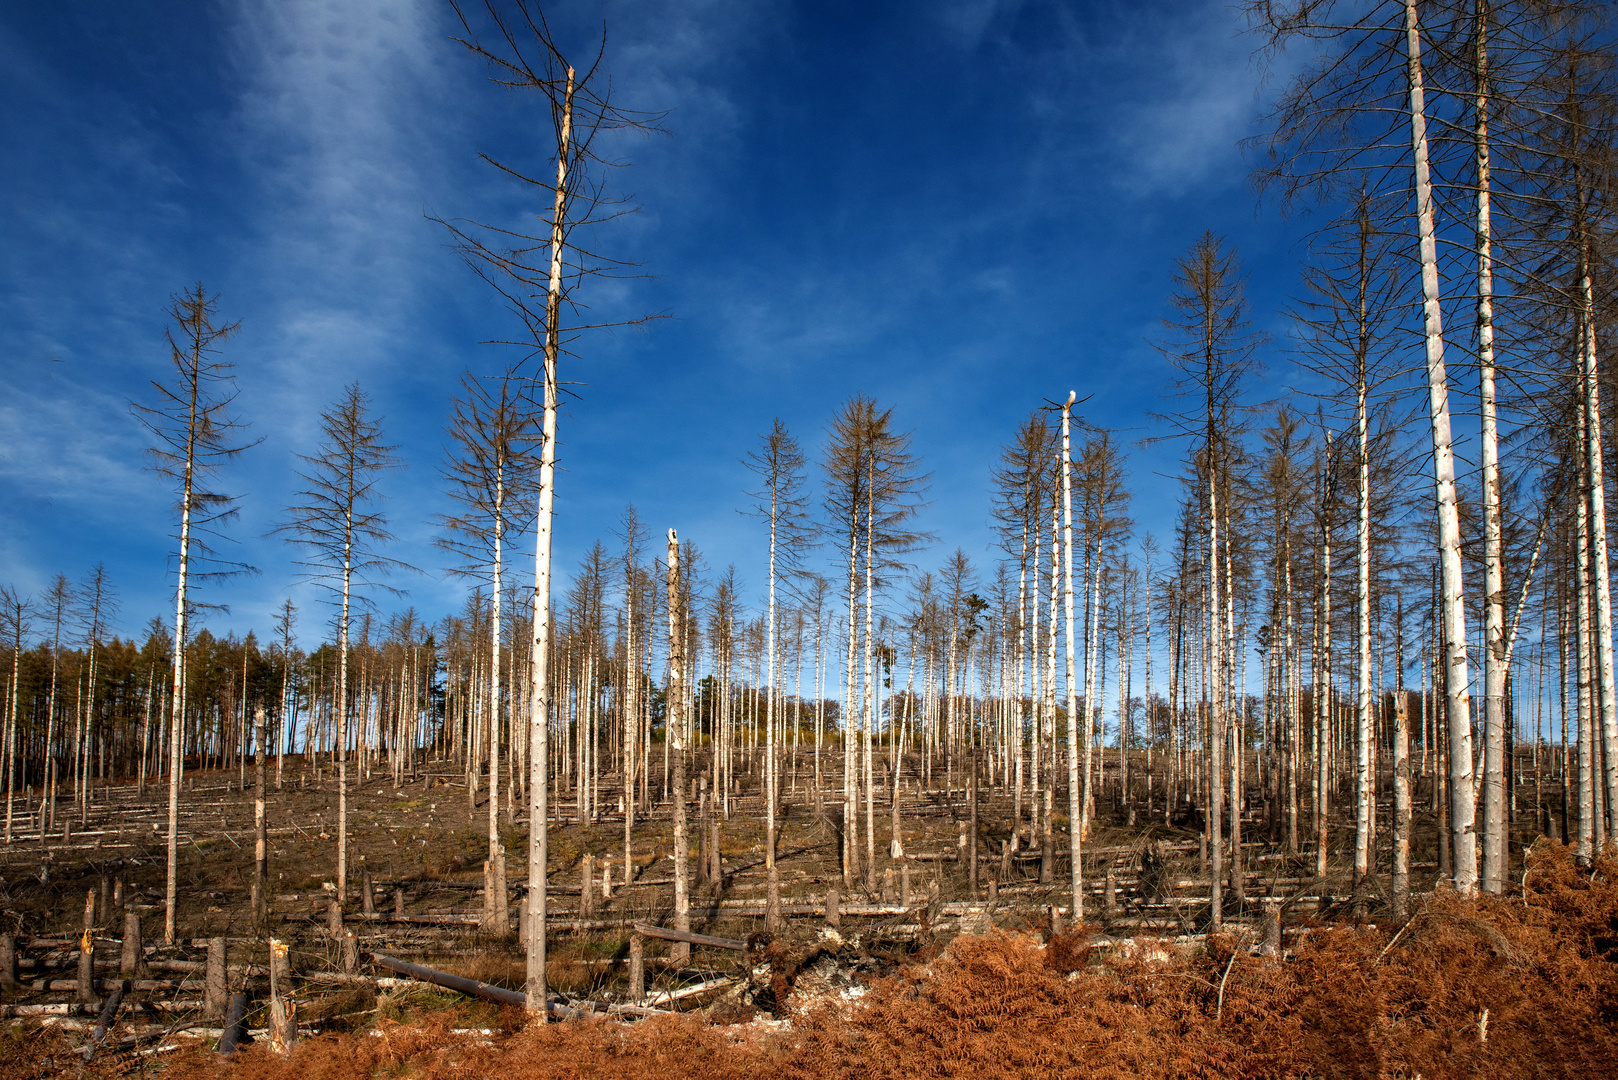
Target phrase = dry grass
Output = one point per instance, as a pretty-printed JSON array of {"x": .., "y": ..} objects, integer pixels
[{"x": 1348, "y": 1002}]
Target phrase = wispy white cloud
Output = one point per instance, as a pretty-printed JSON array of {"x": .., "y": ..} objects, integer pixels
[
  {"x": 335, "y": 124},
  {"x": 77, "y": 448},
  {"x": 1143, "y": 104}
]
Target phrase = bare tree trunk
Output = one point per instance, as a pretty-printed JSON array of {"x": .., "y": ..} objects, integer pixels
[
  {"x": 1075, "y": 826},
  {"x": 1401, "y": 802},
  {"x": 631, "y": 708},
  {"x": 772, "y": 909},
  {"x": 1365, "y": 777},
  {"x": 495, "y": 919},
  {"x": 261, "y": 855},
  {"x": 677, "y": 705},
  {"x": 1216, "y": 696},
  {"x": 1452, "y": 608},
  {"x": 1323, "y": 680},
  {"x": 540, "y": 699},
  {"x": 1603, "y": 660},
  {"x": 342, "y": 702},
  {"x": 1495, "y": 849},
  {"x": 177, "y": 702}
]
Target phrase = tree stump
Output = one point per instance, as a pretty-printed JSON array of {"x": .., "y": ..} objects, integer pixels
[
  {"x": 130, "y": 957},
  {"x": 637, "y": 971},
  {"x": 334, "y": 917},
  {"x": 351, "y": 952},
  {"x": 587, "y": 888},
  {"x": 86, "y": 988},
  {"x": 398, "y": 903},
  {"x": 904, "y": 885},
  {"x": 367, "y": 897},
  {"x": 716, "y": 870},
  {"x": 704, "y": 864},
  {"x": 8, "y": 959},
  {"x": 834, "y": 915},
  {"x": 283, "y": 1010},
  {"x": 1272, "y": 928}
]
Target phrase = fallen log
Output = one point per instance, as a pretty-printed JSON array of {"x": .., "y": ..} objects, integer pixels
[
  {"x": 670, "y": 996},
  {"x": 694, "y": 939},
  {"x": 453, "y": 982},
  {"x": 558, "y": 1008}
]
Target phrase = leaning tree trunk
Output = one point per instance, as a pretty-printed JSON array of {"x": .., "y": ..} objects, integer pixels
[{"x": 1452, "y": 608}]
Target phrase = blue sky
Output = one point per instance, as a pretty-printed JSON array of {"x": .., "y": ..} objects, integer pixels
[{"x": 959, "y": 208}]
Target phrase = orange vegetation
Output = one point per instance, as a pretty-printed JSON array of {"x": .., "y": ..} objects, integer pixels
[{"x": 1500, "y": 988}]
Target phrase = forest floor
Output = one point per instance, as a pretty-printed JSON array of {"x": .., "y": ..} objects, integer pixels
[{"x": 971, "y": 980}]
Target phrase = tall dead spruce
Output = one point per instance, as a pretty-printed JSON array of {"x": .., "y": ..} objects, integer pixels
[
  {"x": 779, "y": 463},
  {"x": 535, "y": 274},
  {"x": 194, "y": 434},
  {"x": 490, "y": 471},
  {"x": 337, "y": 522}
]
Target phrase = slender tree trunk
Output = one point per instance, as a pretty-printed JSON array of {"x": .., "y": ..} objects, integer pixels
[
  {"x": 868, "y": 699},
  {"x": 1401, "y": 782},
  {"x": 1607, "y": 698},
  {"x": 495, "y": 919},
  {"x": 1588, "y": 828},
  {"x": 1216, "y": 696},
  {"x": 1365, "y": 777},
  {"x": 342, "y": 692},
  {"x": 1075, "y": 825},
  {"x": 772, "y": 910},
  {"x": 1452, "y": 608},
  {"x": 540, "y": 697},
  {"x": 261, "y": 856},
  {"x": 177, "y": 704},
  {"x": 677, "y": 706},
  {"x": 1495, "y": 850}
]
